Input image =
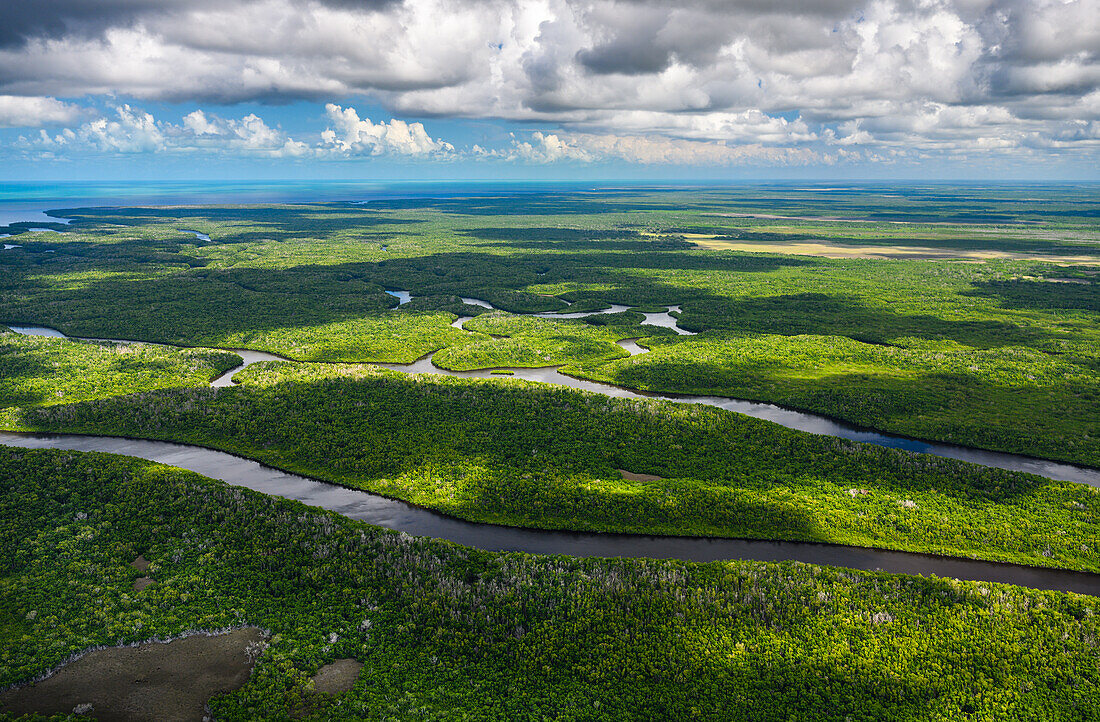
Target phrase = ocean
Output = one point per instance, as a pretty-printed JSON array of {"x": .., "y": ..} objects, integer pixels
[{"x": 28, "y": 201}]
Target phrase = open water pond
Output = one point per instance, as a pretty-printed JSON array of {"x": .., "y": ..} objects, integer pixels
[
  {"x": 38, "y": 331},
  {"x": 199, "y": 236},
  {"x": 402, "y": 297}
]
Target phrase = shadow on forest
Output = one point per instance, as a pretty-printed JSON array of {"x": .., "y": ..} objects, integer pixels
[
  {"x": 961, "y": 409},
  {"x": 560, "y": 239},
  {"x": 275, "y": 223},
  {"x": 416, "y": 441},
  {"x": 184, "y": 304},
  {"x": 532, "y": 438},
  {"x": 840, "y": 315},
  {"x": 531, "y": 205},
  {"x": 203, "y": 301},
  {"x": 1041, "y": 295}
]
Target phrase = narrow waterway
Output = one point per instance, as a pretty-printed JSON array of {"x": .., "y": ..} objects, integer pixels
[
  {"x": 799, "y": 420},
  {"x": 410, "y": 519},
  {"x": 249, "y": 357},
  {"x": 198, "y": 236}
]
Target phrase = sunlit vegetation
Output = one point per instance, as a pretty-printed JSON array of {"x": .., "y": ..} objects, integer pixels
[
  {"x": 37, "y": 371},
  {"x": 527, "y": 454},
  {"x": 1036, "y": 401},
  {"x": 308, "y": 282},
  {"x": 398, "y": 337},
  {"x": 984, "y": 333},
  {"x": 531, "y": 341},
  {"x": 446, "y": 631}
]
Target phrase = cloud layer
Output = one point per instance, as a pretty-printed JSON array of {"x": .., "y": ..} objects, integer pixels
[{"x": 682, "y": 81}]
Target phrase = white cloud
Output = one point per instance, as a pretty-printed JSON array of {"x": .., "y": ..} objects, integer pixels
[
  {"x": 31, "y": 112},
  {"x": 354, "y": 136},
  {"x": 132, "y": 131},
  {"x": 771, "y": 73},
  {"x": 197, "y": 122},
  {"x": 653, "y": 150}
]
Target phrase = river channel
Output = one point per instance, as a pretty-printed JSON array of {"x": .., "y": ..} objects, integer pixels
[
  {"x": 398, "y": 515},
  {"x": 790, "y": 418},
  {"x": 401, "y": 516}
]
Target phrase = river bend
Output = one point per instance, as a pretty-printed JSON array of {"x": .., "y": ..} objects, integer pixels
[
  {"x": 401, "y": 516},
  {"x": 790, "y": 418}
]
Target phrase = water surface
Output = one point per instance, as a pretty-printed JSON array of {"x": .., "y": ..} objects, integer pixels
[
  {"x": 798, "y": 420},
  {"x": 398, "y": 515}
]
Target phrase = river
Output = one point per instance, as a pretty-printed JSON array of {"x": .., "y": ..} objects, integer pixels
[
  {"x": 790, "y": 418},
  {"x": 401, "y": 516}
]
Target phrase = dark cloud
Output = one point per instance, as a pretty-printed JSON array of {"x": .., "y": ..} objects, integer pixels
[
  {"x": 729, "y": 70},
  {"x": 21, "y": 20},
  {"x": 818, "y": 8},
  {"x": 625, "y": 56}
]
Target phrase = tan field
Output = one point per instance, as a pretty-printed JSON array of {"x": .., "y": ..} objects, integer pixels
[{"x": 828, "y": 249}]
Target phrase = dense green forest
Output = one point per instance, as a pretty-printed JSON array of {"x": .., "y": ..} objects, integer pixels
[
  {"x": 1002, "y": 286},
  {"x": 1012, "y": 398},
  {"x": 962, "y": 314},
  {"x": 39, "y": 371},
  {"x": 449, "y": 632},
  {"x": 529, "y": 454},
  {"x": 531, "y": 342}
]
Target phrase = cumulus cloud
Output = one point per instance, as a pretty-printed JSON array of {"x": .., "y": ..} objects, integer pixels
[
  {"x": 130, "y": 130},
  {"x": 650, "y": 150},
  {"x": 353, "y": 135},
  {"x": 776, "y": 73},
  {"x": 23, "y": 112}
]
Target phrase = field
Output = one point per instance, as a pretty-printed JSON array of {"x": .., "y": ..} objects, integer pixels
[{"x": 962, "y": 314}]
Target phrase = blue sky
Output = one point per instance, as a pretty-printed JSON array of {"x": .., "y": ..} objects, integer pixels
[{"x": 550, "y": 89}]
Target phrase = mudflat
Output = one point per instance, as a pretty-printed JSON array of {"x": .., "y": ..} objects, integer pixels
[
  {"x": 154, "y": 681},
  {"x": 631, "y": 476},
  {"x": 338, "y": 677}
]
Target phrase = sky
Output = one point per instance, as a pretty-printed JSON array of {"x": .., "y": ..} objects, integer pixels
[{"x": 550, "y": 89}]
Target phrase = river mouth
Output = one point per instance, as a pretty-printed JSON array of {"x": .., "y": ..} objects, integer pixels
[{"x": 417, "y": 521}]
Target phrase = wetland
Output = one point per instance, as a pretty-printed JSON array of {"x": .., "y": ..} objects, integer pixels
[{"x": 482, "y": 436}]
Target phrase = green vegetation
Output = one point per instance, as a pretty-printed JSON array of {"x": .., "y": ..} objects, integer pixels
[
  {"x": 1012, "y": 398},
  {"x": 397, "y": 337},
  {"x": 527, "y": 454},
  {"x": 526, "y": 341},
  {"x": 983, "y": 332},
  {"x": 448, "y": 632},
  {"x": 36, "y": 371},
  {"x": 308, "y": 282}
]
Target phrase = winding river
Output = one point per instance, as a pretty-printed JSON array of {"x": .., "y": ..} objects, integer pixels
[
  {"x": 398, "y": 515},
  {"x": 401, "y": 516},
  {"x": 798, "y": 420}
]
